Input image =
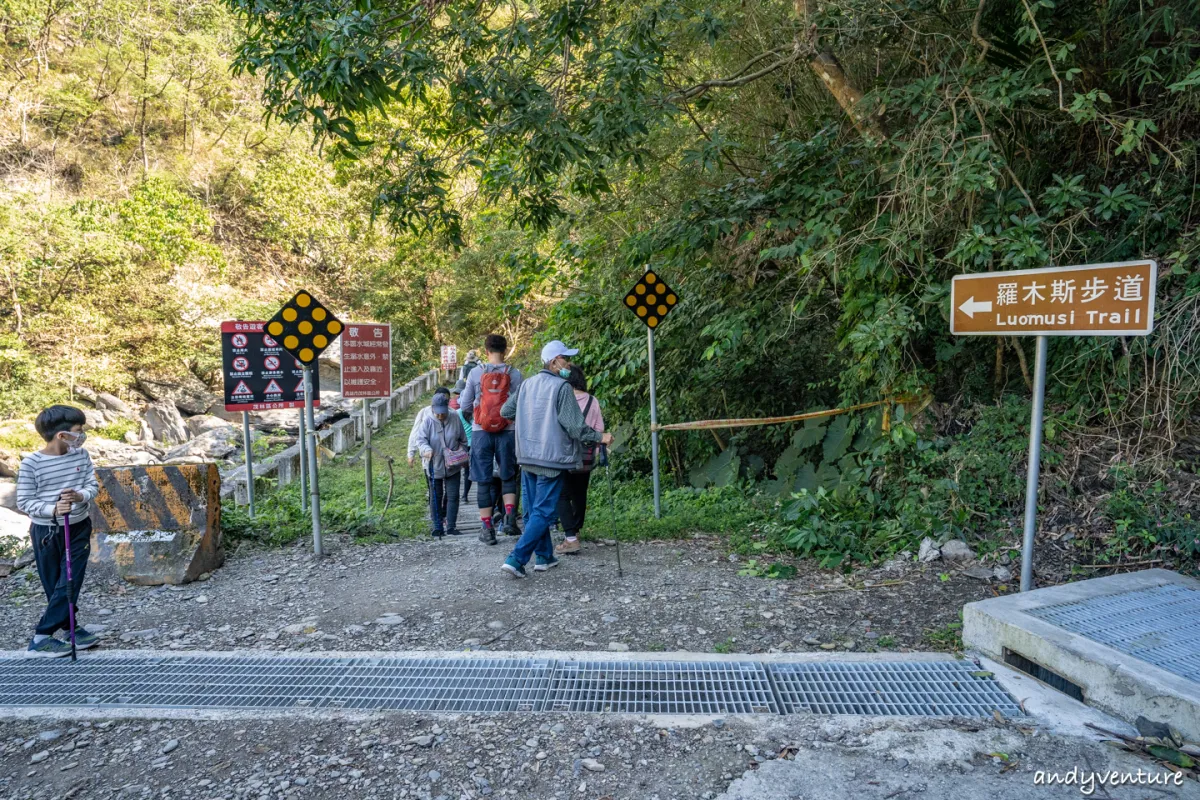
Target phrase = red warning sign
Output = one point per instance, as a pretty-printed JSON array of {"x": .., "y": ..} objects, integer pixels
[
  {"x": 250, "y": 360},
  {"x": 366, "y": 360}
]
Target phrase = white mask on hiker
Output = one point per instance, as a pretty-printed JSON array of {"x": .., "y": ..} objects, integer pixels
[{"x": 74, "y": 440}]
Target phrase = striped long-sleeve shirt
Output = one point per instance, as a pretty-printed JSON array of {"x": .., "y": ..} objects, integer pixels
[{"x": 42, "y": 479}]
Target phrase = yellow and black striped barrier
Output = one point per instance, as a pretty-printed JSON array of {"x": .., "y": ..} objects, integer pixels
[{"x": 159, "y": 524}]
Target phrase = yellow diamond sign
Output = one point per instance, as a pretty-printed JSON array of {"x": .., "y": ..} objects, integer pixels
[
  {"x": 304, "y": 327},
  {"x": 651, "y": 299}
]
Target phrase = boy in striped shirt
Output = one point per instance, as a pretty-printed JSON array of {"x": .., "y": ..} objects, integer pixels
[{"x": 54, "y": 482}]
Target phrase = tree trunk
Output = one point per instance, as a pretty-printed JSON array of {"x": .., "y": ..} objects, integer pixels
[{"x": 827, "y": 67}]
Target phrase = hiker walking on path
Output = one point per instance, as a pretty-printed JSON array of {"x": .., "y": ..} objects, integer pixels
[
  {"x": 443, "y": 447},
  {"x": 55, "y": 482},
  {"x": 492, "y": 437},
  {"x": 572, "y": 503},
  {"x": 422, "y": 416},
  {"x": 468, "y": 366},
  {"x": 551, "y": 435}
]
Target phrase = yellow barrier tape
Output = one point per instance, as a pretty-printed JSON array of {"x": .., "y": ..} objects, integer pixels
[{"x": 710, "y": 424}]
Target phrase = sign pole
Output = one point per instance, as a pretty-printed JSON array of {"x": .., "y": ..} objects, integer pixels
[
  {"x": 249, "y": 461},
  {"x": 367, "y": 451},
  {"x": 653, "y": 431},
  {"x": 312, "y": 462},
  {"x": 1035, "y": 464},
  {"x": 303, "y": 466}
]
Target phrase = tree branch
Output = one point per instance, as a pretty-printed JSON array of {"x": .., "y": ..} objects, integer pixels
[{"x": 738, "y": 79}]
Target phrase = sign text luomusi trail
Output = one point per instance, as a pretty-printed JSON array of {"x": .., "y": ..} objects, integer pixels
[{"x": 1090, "y": 300}]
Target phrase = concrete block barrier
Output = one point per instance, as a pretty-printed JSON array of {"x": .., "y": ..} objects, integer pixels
[{"x": 158, "y": 524}]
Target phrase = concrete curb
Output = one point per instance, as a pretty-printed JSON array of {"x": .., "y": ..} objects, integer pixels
[{"x": 1112, "y": 681}]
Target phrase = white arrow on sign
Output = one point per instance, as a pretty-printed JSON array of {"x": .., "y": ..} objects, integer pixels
[{"x": 972, "y": 305}]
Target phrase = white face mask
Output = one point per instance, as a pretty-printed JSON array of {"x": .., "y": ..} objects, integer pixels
[{"x": 74, "y": 441}]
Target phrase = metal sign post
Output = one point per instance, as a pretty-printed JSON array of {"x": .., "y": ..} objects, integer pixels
[
  {"x": 1087, "y": 300},
  {"x": 305, "y": 328},
  {"x": 651, "y": 300},
  {"x": 313, "y": 444},
  {"x": 303, "y": 466},
  {"x": 249, "y": 461},
  {"x": 1035, "y": 464},
  {"x": 653, "y": 429},
  {"x": 367, "y": 451}
]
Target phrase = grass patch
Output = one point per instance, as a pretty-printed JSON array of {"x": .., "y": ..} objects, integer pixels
[
  {"x": 279, "y": 520},
  {"x": 19, "y": 439},
  {"x": 117, "y": 429},
  {"x": 630, "y": 514},
  {"x": 947, "y": 638}
]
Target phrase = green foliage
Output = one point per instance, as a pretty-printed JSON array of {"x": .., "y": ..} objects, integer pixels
[
  {"x": 947, "y": 638},
  {"x": 117, "y": 429},
  {"x": 895, "y": 490},
  {"x": 1147, "y": 522},
  {"x": 687, "y": 511},
  {"x": 279, "y": 520}
]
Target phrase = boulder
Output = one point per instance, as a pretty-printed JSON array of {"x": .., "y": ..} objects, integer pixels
[
  {"x": 166, "y": 423},
  {"x": 186, "y": 392},
  {"x": 8, "y": 495},
  {"x": 203, "y": 423},
  {"x": 132, "y": 438},
  {"x": 14, "y": 526},
  {"x": 85, "y": 394},
  {"x": 95, "y": 419},
  {"x": 108, "y": 452},
  {"x": 956, "y": 550},
  {"x": 929, "y": 551},
  {"x": 106, "y": 401},
  {"x": 211, "y": 446},
  {"x": 9, "y": 462}
]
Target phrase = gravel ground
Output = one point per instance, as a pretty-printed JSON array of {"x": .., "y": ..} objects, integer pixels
[
  {"x": 452, "y": 594},
  {"x": 543, "y": 756}
]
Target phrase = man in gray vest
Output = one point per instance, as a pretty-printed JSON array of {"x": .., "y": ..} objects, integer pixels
[{"x": 551, "y": 433}]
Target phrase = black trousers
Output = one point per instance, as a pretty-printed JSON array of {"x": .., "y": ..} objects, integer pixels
[
  {"x": 49, "y": 553},
  {"x": 572, "y": 503}
]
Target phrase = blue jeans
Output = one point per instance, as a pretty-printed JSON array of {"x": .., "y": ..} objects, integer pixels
[{"x": 541, "y": 505}]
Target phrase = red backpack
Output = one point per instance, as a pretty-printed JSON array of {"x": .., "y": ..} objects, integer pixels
[{"x": 493, "y": 392}]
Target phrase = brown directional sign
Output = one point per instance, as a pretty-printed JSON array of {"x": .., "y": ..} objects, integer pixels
[
  {"x": 1088, "y": 300},
  {"x": 304, "y": 327},
  {"x": 651, "y": 299}
]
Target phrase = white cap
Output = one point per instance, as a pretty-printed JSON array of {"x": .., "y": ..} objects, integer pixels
[{"x": 554, "y": 349}]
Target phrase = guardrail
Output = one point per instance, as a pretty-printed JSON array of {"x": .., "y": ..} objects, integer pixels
[{"x": 339, "y": 437}]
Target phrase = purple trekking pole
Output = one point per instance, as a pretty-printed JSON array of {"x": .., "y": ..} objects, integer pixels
[{"x": 70, "y": 581}]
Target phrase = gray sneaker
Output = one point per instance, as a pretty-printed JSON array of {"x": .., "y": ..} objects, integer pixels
[{"x": 48, "y": 648}]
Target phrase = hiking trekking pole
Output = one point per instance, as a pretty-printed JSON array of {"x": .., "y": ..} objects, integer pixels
[
  {"x": 612, "y": 508},
  {"x": 70, "y": 581}
]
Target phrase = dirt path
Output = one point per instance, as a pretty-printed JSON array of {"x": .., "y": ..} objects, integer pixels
[{"x": 453, "y": 594}]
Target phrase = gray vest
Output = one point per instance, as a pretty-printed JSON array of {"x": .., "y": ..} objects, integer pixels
[{"x": 541, "y": 441}]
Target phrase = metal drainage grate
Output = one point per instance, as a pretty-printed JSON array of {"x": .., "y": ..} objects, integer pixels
[
  {"x": 1156, "y": 625},
  {"x": 482, "y": 685},
  {"x": 444, "y": 684},
  {"x": 926, "y": 689},
  {"x": 661, "y": 687}
]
